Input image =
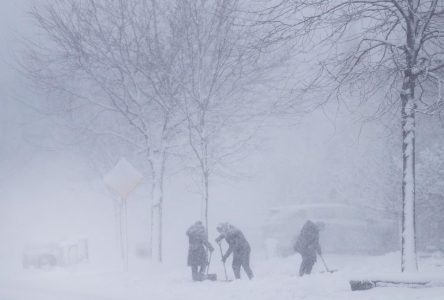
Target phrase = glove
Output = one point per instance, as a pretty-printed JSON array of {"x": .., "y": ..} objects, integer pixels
[
  {"x": 224, "y": 258},
  {"x": 219, "y": 239},
  {"x": 211, "y": 249}
]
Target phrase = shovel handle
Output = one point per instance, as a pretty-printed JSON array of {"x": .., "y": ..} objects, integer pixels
[
  {"x": 222, "y": 255},
  {"x": 323, "y": 261},
  {"x": 209, "y": 262}
]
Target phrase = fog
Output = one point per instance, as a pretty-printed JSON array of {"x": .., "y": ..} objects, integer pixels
[
  {"x": 51, "y": 192},
  {"x": 52, "y": 188}
]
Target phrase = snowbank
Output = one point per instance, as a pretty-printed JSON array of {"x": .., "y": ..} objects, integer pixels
[{"x": 275, "y": 279}]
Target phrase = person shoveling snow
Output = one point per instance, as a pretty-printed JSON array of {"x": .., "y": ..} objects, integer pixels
[
  {"x": 238, "y": 245},
  {"x": 307, "y": 244},
  {"x": 197, "y": 251}
]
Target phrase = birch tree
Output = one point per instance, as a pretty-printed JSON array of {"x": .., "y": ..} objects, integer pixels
[
  {"x": 391, "y": 51},
  {"x": 113, "y": 60}
]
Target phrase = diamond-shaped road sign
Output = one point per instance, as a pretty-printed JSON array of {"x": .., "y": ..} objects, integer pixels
[{"x": 123, "y": 178}]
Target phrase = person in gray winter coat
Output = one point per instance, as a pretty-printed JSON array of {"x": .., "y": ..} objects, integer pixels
[
  {"x": 238, "y": 245},
  {"x": 197, "y": 251},
  {"x": 308, "y": 246}
]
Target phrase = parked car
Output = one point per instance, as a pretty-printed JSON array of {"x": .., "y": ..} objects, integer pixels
[
  {"x": 66, "y": 253},
  {"x": 42, "y": 256},
  {"x": 348, "y": 228}
]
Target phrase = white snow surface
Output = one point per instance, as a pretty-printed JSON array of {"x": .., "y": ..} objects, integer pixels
[{"x": 275, "y": 279}]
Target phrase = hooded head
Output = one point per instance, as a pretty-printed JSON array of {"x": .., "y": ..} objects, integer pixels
[
  {"x": 222, "y": 227},
  {"x": 196, "y": 228}
]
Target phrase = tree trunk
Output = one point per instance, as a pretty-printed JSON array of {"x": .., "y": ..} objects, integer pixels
[
  {"x": 158, "y": 171},
  {"x": 152, "y": 208},
  {"x": 156, "y": 220},
  {"x": 206, "y": 198},
  {"x": 408, "y": 244}
]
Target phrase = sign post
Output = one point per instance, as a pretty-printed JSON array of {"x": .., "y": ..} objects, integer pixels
[{"x": 123, "y": 179}]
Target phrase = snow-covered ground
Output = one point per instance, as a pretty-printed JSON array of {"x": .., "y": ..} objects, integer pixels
[{"x": 275, "y": 279}]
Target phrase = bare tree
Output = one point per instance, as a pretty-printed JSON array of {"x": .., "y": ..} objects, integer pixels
[
  {"x": 219, "y": 66},
  {"x": 389, "y": 50},
  {"x": 114, "y": 60}
]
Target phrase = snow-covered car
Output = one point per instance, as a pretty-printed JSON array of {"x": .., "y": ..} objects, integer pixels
[
  {"x": 348, "y": 228},
  {"x": 68, "y": 252},
  {"x": 42, "y": 256}
]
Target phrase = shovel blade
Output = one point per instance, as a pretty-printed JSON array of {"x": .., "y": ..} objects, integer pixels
[
  {"x": 329, "y": 271},
  {"x": 211, "y": 277}
]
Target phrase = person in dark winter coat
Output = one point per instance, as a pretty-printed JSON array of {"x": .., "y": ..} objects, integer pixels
[
  {"x": 308, "y": 246},
  {"x": 238, "y": 245},
  {"x": 197, "y": 251}
]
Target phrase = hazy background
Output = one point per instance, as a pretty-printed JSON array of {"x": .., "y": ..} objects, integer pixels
[{"x": 51, "y": 190}]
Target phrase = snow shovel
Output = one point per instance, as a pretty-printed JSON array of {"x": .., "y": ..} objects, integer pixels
[
  {"x": 212, "y": 277},
  {"x": 325, "y": 265},
  {"x": 222, "y": 255},
  {"x": 361, "y": 285}
]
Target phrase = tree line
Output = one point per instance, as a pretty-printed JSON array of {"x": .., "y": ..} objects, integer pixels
[{"x": 189, "y": 79}]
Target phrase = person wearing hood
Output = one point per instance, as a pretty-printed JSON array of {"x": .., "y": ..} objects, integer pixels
[
  {"x": 307, "y": 244},
  {"x": 238, "y": 245},
  {"x": 197, "y": 251}
]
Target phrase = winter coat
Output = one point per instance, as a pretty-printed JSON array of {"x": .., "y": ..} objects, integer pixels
[
  {"x": 197, "y": 237},
  {"x": 307, "y": 243},
  {"x": 236, "y": 240}
]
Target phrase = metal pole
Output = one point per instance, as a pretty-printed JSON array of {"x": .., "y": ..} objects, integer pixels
[
  {"x": 122, "y": 246},
  {"x": 126, "y": 234}
]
